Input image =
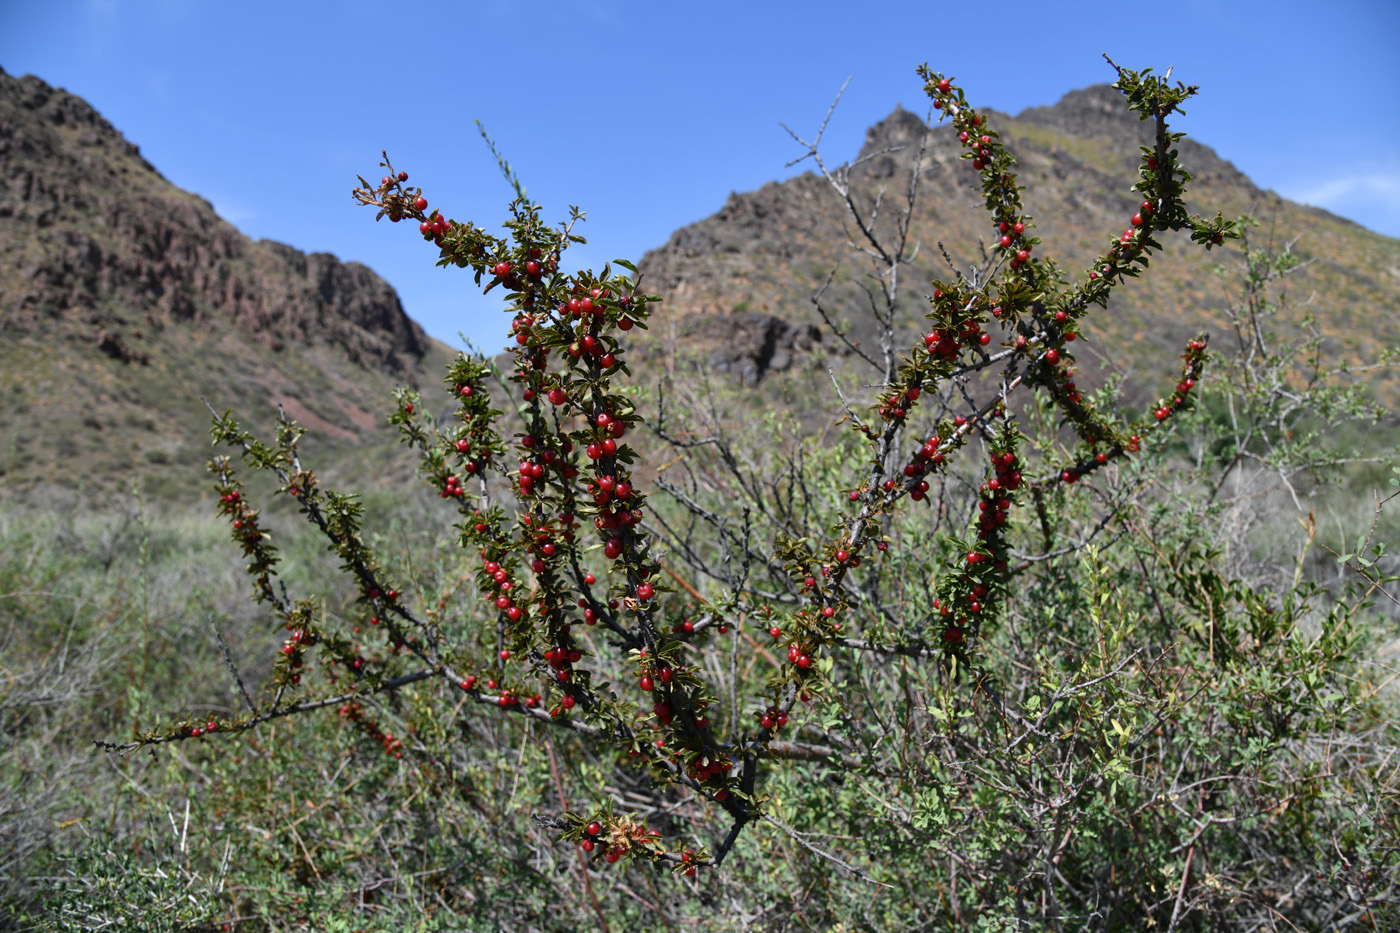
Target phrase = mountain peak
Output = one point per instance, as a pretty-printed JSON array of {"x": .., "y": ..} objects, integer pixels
[
  {"x": 1096, "y": 110},
  {"x": 900, "y": 128},
  {"x": 49, "y": 106}
]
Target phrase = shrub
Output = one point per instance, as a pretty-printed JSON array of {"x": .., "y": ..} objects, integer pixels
[{"x": 983, "y": 659}]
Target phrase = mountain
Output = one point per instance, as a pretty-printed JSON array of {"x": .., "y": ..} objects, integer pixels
[
  {"x": 738, "y": 284},
  {"x": 124, "y": 301}
]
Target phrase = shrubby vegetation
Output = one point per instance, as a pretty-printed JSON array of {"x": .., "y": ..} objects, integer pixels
[{"x": 989, "y": 653}]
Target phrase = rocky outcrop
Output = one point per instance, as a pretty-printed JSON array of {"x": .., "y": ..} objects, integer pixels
[
  {"x": 96, "y": 245},
  {"x": 126, "y": 304},
  {"x": 767, "y": 252},
  {"x": 752, "y": 345}
]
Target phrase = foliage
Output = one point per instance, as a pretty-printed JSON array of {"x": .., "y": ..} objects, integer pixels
[{"x": 988, "y": 656}]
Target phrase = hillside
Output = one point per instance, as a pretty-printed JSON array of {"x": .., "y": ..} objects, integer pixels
[
  {"x": 125, "y": 300},
  {"x": 738, "y": 284}
]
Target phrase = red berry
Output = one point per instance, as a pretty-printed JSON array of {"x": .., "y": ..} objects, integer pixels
[
  {"x": 646, "y": 683},
  {"x": 645, "y": 591},
  {"x": 403, "y": 176},
  {"x": 420, "y": 202},
  {"x": 943, "y": 86}
]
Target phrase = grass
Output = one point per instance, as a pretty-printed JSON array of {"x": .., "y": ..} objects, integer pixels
[{"x": 113, "y": 615}]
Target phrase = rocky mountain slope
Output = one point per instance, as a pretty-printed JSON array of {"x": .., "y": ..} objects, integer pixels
[
  {"x": 125, "y": 300},
  {"x": 738, "y": 284}
]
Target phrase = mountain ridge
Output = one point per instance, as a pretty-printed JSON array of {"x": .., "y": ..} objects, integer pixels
[
  {"x": 126, "y": 300},
  {"x": 751, "y": 267}
]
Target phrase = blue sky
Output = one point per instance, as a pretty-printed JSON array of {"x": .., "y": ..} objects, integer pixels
[{"x": 648, "y": 115}]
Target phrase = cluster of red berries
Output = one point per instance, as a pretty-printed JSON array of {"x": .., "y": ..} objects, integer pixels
[
  {"x": 294, "y": 645},
  {"x": 591, "y": 832},
  {"x": 647, "y": 682},
  {"x": 533, "y": 467},
  {"x": 773, "y": 718},
  {"x": 262, "y": 557},
  {"x": 1128, "y": 242},
  {"x": 799, "y": 656},
  {"x": 353, "y": 713},
  {"x": 539, "y": 538},
  {"x": 562, "y": 657},
  {"x": 968, "y": 594},
  {"x": 622, "y": 838},
  {"x": 196, "y": 731},
  {"x": 245, "y": 519},
  {"x": 947, "y": 343},
  {"x": 496, "y": 584},
  {"x": 435, "y": 226},
  {"x": 605, "y": 489},
  {"x": 616, "y": 515},
  {"x": 925, "y": 459},
  {"x": 474, "y": 411},
  {"x": 995, "y": 494},
  {"x": 980, "y": 146},
  {"x": 1193, "y": 353},
  {"x": 714, "y": 770},
  {"x": 507, "y": 697}
]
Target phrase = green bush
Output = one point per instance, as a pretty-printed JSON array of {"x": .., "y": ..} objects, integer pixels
[{"x": 993, "y": 655}]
